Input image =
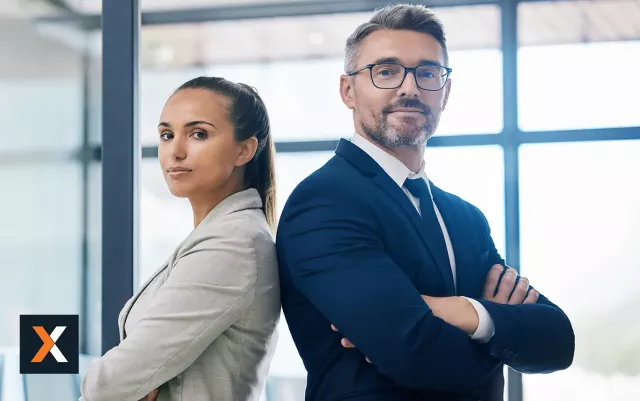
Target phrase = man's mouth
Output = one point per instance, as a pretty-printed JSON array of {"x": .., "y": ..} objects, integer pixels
[{"x": 407, "y": 110}]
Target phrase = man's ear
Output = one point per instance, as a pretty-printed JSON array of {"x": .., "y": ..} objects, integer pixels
[
  {"x": 247, "y": 149},
  {"x": 347, "y": 91}
]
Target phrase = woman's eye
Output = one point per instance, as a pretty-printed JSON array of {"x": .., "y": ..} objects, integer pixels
[
  {"x": 166, "y": 136},
  {"x": 200, "y": 135}
]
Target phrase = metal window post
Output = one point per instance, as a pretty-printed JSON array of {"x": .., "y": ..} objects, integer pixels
[{"x": 120, "y": 160}]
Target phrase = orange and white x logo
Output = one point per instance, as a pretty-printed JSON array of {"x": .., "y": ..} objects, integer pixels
[{"x": 49, "y": 344}]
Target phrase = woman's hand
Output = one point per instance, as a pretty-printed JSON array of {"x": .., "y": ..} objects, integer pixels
[{"x": 152, "y": 395}]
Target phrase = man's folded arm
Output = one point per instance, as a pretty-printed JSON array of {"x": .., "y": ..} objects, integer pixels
[
  {"x": 530, "y": 338},
  {"x": 337, "y": 261}
]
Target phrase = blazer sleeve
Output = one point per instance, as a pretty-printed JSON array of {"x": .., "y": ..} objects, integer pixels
[
  {"x": 209, "y": 289},
  {"x": 329, "y": 245},
  {"x": 531, "y": 338}
]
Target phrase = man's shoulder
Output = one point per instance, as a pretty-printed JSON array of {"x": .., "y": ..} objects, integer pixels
[
  {"x": 457, "y": 202},
  {"x": 335, "y": 175}
]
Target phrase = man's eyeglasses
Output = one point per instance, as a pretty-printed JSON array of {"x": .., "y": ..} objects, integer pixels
[{"x": 429, "y": 77}]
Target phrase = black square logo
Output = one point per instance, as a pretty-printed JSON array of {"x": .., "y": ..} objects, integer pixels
[{"x": 49, "y": 344}]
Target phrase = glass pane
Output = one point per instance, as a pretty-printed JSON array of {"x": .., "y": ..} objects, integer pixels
[
  {"x": 292, "y": 168},
  {"x": 164, "y": 219},
  {"x": 40, "y": 243},
  {"x": 564, "y": 46},
  {"x": 475, "y": 102},
  {"x": 476, "y": 174},
  {"x": 94, "y": 261},
  {"x": 155, "y": 89},
  {"x": 296, "y": 63},
  {"x": 580, "y": 221},
  {"x": 41, "y": 102},
  {"x": 43, "y": 265}
]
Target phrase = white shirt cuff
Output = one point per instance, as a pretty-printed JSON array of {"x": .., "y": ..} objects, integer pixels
[{"x": 486, "y": 329}]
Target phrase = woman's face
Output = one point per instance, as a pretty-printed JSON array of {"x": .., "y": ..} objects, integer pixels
[{"x": 198, "y": 152}]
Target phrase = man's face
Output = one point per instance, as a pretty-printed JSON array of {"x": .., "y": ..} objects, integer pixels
[{"x": 404, "y": 116}]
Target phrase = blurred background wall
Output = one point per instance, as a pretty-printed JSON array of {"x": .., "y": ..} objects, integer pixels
[{"x": 542, "y": 133}]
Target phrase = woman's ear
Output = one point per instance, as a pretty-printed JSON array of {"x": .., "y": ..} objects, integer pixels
[{"x": 248, "y": 149}]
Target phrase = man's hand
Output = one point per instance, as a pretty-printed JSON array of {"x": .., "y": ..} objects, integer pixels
[
  {"x": 456, "y": 311},
  {"x": 346, "y": 343},
  {"x": 152, "y": 396},
  {"x": 508, "y": 292}
]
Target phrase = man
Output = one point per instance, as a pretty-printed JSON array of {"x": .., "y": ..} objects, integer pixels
[{"x": 392, "y": 288}]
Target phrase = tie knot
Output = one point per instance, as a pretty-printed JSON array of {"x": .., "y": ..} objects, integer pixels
[{"x": 418, "y": 188}]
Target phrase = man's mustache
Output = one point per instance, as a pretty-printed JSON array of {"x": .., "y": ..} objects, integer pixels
[{"x": 408, "y": 103}]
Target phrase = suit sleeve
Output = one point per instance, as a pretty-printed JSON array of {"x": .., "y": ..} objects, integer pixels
[
  {"x": 531, "y": 338},
  {"x": 329, "y": 245},
  {"x": 210, "y": 287}
]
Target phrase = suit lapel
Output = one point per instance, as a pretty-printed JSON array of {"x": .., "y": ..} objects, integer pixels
[
  {"x": 462, "y": 248},
  {"x": 369, "y": 167}
]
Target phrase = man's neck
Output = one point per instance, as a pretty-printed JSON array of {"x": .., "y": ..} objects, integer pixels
[{"x": 412, "y": 157}]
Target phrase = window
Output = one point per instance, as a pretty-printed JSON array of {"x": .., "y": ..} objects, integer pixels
[
  {"x": 164, "y": 220},
  {"x": 476, "y": 174},
  {"x": 40, "y": 243},
  {"x": 580, "y": 222},
  {"x": 298, "y": 74},
  {"x": 41, "y": 207},
  {"x": 577, "y": 65},
  {"x": 41, "y": 103}
]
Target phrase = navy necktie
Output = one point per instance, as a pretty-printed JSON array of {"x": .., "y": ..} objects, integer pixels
[{"x": 431, "y": 226}]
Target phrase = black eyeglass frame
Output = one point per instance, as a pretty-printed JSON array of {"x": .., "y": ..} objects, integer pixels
[{"x": 407, "y": 70}]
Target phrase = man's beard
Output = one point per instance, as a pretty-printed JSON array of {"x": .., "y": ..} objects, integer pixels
[{"x": 391, "y": 137}]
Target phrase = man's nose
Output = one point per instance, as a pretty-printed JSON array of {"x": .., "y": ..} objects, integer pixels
[{"x": 409, "y": 88}]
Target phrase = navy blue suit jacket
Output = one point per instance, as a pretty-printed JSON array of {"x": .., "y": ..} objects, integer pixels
[{"x": 352, "y": 254}]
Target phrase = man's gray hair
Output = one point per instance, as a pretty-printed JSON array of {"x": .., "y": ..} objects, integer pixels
[{"x": 409, "y": 17}]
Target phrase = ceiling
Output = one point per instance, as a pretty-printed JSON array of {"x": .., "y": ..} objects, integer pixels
[
  {"x": 94, "y": 6},
  {"x": 258, "y": 40},
  {"x": 293, "y": 38},
  {"x": 469, "y": 27}
]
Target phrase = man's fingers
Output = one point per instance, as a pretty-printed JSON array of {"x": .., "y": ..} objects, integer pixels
[
  {"x": 506, "y": 286},
  {"x": 532, "y": 297},
  {"x": 520, "y": 292},
  {"x": 348, "y": 344},
  {"x": 334, "y": 328},
  {"x": 491, "y": 282}
]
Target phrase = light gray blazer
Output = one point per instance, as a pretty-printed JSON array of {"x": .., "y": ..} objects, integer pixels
[{"x": 203, "y": 326}]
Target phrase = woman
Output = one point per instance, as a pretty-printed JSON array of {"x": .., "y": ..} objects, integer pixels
[{"x": 203, "y": 326}]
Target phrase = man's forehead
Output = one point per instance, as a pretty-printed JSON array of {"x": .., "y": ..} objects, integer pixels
[{"x": 409, "y": 47}]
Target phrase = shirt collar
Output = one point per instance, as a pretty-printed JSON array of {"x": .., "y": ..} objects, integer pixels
[{"x": 392, "y": 166}]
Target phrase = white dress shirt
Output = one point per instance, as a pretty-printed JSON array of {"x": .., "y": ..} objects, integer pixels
[{"x": 399, "y": 173}]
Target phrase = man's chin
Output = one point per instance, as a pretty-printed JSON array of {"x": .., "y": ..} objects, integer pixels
[{"x": 410, "y": 135}]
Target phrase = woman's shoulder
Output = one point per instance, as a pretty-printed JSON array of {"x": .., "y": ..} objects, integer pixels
[{"x": 247, "y": 226}]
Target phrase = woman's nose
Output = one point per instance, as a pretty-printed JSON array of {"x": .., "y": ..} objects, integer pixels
[{"x": 178, "y": 150}]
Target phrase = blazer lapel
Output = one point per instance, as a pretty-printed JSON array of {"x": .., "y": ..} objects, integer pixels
[
  {"x": 369, "y": 167},
  {"x": 127, "y": 307},
  {"x": 246, "y": 199}
]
